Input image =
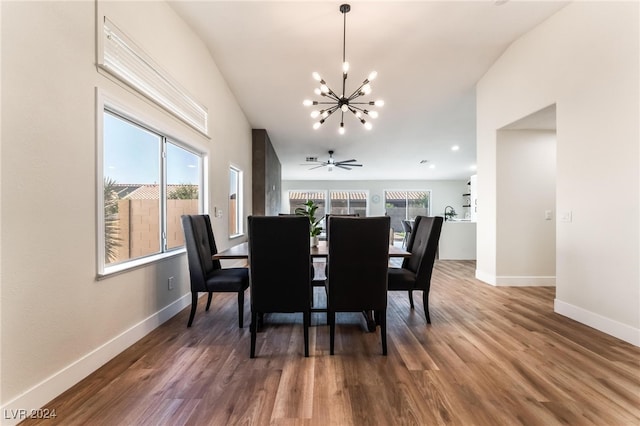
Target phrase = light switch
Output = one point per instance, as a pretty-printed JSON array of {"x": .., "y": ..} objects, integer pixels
[
  {"x": 547, "y": 215},
  {"x": 565, "y": 216}
]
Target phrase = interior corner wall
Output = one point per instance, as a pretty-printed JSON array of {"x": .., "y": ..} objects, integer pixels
[
  {"x": 267, "y": 176},
  {"x": 585, "y": 59},
  {"x": 526, "y": 188},
  {"x": 58, "y": 322}
]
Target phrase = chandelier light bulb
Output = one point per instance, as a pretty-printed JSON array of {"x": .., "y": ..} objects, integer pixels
[
  {"x": 316, "y": 125},
  {"x": 315, "y": 113},
  {"x": 317, "y": 91},
  {"x": 379, "y": 103},
  {"x": 366, "y": 89},
  {"x": 344, "y": 108},
  {"x": 341, "y": 129},
  {"x": 372, "y": 75},
  {"x": 325, "y": 114},
  {"x": 345, "y": 67},
  {"x": 368, "y": 126},
  {"x": 307, "y": 102},
  {"x": 316, "y": 76},
  {"x": 324, "y": 88},
  {"x": 373, "y": 114}
]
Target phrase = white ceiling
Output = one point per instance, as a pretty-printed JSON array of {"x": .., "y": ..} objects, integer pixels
[{"x": 428, "y": 54}]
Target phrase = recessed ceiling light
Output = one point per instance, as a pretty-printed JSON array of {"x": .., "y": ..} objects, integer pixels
[
  {"x": 432, "y": 166},
  {"x": 455, "y": 148}
]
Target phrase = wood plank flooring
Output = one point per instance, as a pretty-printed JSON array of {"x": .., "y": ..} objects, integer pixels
[{"x": 492, "y": 356}]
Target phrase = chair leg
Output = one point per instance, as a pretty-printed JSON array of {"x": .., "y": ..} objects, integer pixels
[
  {"x": 382, "y": 321},
  {"x": 411, "y": 299},
  {"x": 331, "y": 318},
  {"x": 241, "y": 308},
  {"x": 425, "y": 304},
  {"x": 253, "y": 327},
  {"x": 194, "y": 305},
  {"x": 306, "y": 321},
  {"x": 209, "y": 300}
]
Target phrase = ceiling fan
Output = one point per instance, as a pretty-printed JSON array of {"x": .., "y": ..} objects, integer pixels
[{"x": 331, "y": 163}]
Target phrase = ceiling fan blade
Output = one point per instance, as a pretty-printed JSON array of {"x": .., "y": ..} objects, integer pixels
[
  {"x": 343, "y": 167},
  {"x": 347, "y": 161},
  {"x": 317, "y": 167},
  {"x": 353, "y": 165}
]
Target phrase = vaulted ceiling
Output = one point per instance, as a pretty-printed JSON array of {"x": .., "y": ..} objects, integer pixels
[{"x": 428, "y": 54}]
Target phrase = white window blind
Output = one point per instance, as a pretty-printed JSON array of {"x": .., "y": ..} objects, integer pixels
[{"x": 122, "y": 58}]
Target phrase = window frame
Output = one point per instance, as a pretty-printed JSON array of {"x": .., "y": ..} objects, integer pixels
[
  {"x": 239, "y": 202},
  {"x": 349, "y": 191},
  {"x": 169, "y": 134},
  {"x": 406, "y": 210}
]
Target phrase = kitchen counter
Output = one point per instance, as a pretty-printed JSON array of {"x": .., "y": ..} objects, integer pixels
[{"x": 458, "y": 240}]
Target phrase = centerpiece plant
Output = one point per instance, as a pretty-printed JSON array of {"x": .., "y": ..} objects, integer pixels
[{"x": 308, "y": 209}]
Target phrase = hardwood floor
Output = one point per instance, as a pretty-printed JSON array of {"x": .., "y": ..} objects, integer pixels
[{"x": 492, "y": 356}]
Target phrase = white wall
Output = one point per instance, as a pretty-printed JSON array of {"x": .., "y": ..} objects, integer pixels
[
  {"x": 526, "y": 188},
  {"x": 443, "y": 192},
  {"x": 58, "y": 322},
  {"x": 585, "y": 60}
]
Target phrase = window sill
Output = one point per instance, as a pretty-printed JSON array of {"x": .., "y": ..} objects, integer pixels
[{"x": 138, "y": 263}]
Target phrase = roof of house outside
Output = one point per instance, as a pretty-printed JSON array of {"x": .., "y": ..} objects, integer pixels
[{"x": 144, "y": 192}]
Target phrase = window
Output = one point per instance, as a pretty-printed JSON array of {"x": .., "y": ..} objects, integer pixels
[
  {"x": 348, "y": 202},
  {"x": 298, "y": 198},
  {"x": 148, "y": 181},
  {"x": 406, "y": 205},
  {"x": 235, "y": 202}
]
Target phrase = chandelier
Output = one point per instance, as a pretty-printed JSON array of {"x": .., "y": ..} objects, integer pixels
[{"x": 343, "y": 103}]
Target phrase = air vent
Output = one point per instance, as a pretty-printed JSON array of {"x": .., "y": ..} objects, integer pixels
[{"x": 312, "y": 159}]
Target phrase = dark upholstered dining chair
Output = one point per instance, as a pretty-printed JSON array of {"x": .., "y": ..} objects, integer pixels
[
  {"x": 357, "y": 270},
  {"x": 280, "y": 277},
  {"x": 415, "y": 273},
  {"x": 406, "y": 228},
  {"x": 207, "y": 275}
]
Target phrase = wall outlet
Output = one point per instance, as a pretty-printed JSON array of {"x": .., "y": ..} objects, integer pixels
[{"x": 170, "y": 283}]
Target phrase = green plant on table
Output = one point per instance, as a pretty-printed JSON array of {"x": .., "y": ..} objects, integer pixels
[{"x": 308, "y": 209}]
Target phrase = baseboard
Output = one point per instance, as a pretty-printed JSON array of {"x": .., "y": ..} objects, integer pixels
[
  {"x": 516, "y": 281},
  {"x": 611, "y": 327},
  {"x": 18, "y": 408},
  {"x": 525, "y": 281},
  {"x": 484, "y": 277}
]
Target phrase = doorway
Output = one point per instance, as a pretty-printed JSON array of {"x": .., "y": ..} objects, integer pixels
[{"x": 526, "y": 201}]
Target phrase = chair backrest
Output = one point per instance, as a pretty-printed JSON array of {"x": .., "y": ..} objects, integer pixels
[
  {"x": 279, "y": 263},
  {"x": 423, "y": 246},
  {"x": 358, "y": 262},
  {"x": 201, "y": 245},
  {"x": 406, "y": 226},
  {"x": 328, "y": 215}
]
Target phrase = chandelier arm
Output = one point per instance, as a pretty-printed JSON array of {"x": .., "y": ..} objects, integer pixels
[{"x": 356, "y": 93}]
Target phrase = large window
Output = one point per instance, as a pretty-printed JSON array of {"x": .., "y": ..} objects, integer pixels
[
  {"x": 406, "y": 205},
  {"x": 235, "y": 202},
  {"x": 348, "y": 202},
  {"x": 298, "y": 198},
  {"x": 148, "y": 182}
]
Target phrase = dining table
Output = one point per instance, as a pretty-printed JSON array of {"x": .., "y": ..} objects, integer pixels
[
  {"x": 321, "y": 250},
  {"x": 241, "y": 251}
]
